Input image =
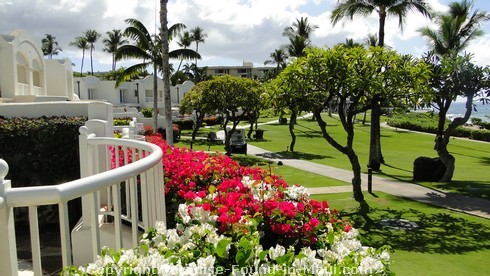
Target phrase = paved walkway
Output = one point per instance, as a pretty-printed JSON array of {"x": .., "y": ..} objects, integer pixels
[{"x": 470, "y": 205}]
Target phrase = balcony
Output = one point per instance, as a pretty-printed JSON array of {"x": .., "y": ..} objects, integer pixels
[{"x": 121, "y": 191}]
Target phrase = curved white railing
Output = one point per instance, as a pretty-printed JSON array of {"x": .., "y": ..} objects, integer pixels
[{"x": 122, "y": 180}]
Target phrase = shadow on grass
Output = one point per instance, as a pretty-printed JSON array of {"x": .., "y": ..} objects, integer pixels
[
  {"x": 249, "y": 161},
  {"x": 436, "y": 233},
  {"x": 467, "y": 187},
  {"x": 300, "y": 155}
]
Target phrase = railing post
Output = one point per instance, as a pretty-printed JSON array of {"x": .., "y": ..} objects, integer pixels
[{"x": 8, "y": 248}]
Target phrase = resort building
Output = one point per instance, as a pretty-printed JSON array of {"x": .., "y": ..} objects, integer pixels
[
  {"x": 25, "y": 76},
  {"x": 246, "y": 70}
]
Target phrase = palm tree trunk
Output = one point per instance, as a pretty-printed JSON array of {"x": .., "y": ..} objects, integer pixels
[
  {"x": 166, "y": 72},
  {"x": 83, "y": 57},
  {"x": 91, "y": 61},
  {"x": 382, "y": 19},
  {"x": 155, "y": 98}
]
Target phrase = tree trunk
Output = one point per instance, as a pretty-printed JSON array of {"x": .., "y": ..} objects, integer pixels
[
  {"x": 166, "y": 72},
  {"x": 375, "y": 156},
  {"x": 356, "y": 180},
  {"x": 198, "y": 123},
  {"x": 155, "y": 98},
  {"x": 292, "y": 121}
]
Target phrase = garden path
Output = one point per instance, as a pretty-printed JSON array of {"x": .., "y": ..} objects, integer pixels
[{"x": 470, "y": 205}]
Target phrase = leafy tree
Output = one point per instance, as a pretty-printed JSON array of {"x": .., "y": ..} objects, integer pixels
[
  {"x": 349, "y": 77},
  {"x": 92, "y": 36},
  {"x": 235, "y": 98},
  {"x": 112, "y": 42},
  {"x": 81, "y": 43},
  {"x": 454, "y": 76},
  {"x": 50, "y": 46},
  {"x": 384, "y": 8},
  {"x": 194, "y": 102}
]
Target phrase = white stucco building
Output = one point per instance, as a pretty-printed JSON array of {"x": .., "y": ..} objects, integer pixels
[{"x": 25, "y": 76}]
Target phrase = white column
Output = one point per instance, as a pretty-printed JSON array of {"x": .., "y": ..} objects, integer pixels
[{"x": 8, "y": 250}]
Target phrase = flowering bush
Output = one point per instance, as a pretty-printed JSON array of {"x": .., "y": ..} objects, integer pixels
[{"x": 231, "y": 220}]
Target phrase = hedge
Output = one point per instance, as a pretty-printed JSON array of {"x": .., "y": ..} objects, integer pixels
[
  {"x": 42, "y": 151},
  {"x": 427, "y": 122}
]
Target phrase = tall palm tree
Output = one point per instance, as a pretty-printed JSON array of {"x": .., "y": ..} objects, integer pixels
[
  {"x": 81, "y": 43},
  {"x": 301, "y": 28},
  {"x": 456, "y": 28},
  {"x": 148, "y": 48},
  {"x": 299, "y": 36},
  {"x": 185, "y": 41},
  {"x": 279, "y": 58},
  {"x": 399, "y": 8},
  {"x": 112, "y": 42},
  {"x": 92, "y": 36},
  {"x": 198, "y": 36},
  {"x": 50, "y": 46}
]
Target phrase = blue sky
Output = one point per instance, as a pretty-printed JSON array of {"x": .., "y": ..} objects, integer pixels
[{"x": 238, "y": 30}]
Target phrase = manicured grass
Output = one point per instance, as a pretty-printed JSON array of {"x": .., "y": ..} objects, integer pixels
[
  {"x": 445, "y": 243},
  {"x": 400, "y": 149}
]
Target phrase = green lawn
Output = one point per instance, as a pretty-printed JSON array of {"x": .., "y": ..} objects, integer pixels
[
  {"x": 446, "y": 242},
  {"x": 399, "y": 148}
]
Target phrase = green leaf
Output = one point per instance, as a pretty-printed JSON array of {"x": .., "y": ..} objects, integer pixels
[{"x": 221, "y": 247}]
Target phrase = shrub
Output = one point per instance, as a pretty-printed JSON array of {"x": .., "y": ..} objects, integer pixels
[
  {"x": 212, "y": 120},
  {"x": 427, "y": 122},
  {"x": 233, "y": 220},
  {"x": 482, "y": 135},
  {"x": 185, "y": 124},
  {"x": 147, "y": 112},
  {"x": 122, "y": 121}
]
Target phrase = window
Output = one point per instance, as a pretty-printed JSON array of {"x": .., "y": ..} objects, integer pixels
[
  {"x": 91, "y": 93},
  {"x": 219, "y": 71},
  {"x": 242, "y": 71}
]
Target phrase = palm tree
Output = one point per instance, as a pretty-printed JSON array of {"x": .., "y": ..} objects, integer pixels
[
  {"x": 148, "y": 48},
  {"x": 300, "y": 28},
  {"x": 456, "y": 28},
  {"x": 185, "y": 41},
  {"x": 114, "y": 40},
  {"x": 299, "y": 36},
  {"x": 384, "y": 8},
  {"x": 92, "y": 36},
  {"x": 371, "y": 40},
  {"x": 81, "y": 43},
  {"x": 198, "y": 36},
  {"x": 453, "y": 75},
  {"x": 279, "y": 58},
  {"x": 50, "y": 46}
]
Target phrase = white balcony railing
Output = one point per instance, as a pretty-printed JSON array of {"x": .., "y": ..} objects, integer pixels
[
  {"x": 112, "y": 170},
  {"x": 23, "y": 89}
]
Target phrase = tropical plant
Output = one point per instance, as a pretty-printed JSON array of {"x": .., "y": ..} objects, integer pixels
[
  {"x": 279, "y": 58},
  {"x": 112, "y": 42},
  {"x": 50, "y": 46},
  {"x": 91, "y": 36},
  {"x": 456, "y": 28},
  {"x": 299, "y": 36},
  {"x": 81, "y": 43},
  {"x": 454, "y": 75},
  {"x": 384, "y": 8},
  {"x": 147, "y": 48},
  {"x": 198, "y": 36},
  {"x": 166, "y": 36},
  {"x": 350, "y": 77},
  {"x": 185, "y": 41}
]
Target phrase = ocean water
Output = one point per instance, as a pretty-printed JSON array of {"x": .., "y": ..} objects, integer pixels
[{"x": 458, "y": 109}]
